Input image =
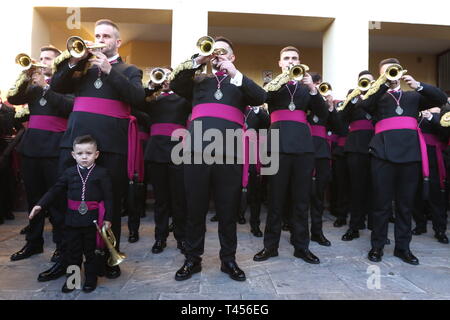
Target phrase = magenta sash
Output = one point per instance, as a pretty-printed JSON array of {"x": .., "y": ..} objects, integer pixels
[
  {"x": 164, "y": 129},
  {"x": 92, "y": 205},
  {"x": 397, "y": 123},
  {"x": 48, "y": 123},
  {"x": 432, "y": 140},
  {"x": 318, "y": 131},
  {"x": 341, "y": 141},
  {"x": 287, "y": 115},
  {"x": 359, "y": 125},
  {"x": 217, "y": 110},
  {"x": 121, "y": 110}
]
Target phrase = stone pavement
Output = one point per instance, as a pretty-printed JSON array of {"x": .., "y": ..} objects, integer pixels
[{"x": 342, "y": 273}]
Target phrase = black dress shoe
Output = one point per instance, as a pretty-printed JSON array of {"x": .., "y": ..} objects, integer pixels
[
  {"x": 392, "y": 220},
  {"x": 340, "y": 222},
  {"x": 171, "y": 227},
  {"x": 187, "y": 270},
  {"x": 256, "y": 232},
  {"x": 182, "y": 246},
  {"x": 89, "y": 286},
  {"x": 417, "y": 231},
  {"x": 214, "y": 218},
  {"x": 55, "y": 272},
  {"x": 406, "y": 256},
  {"x": 441, "y": 237},
  {"x": 24, "y": 230},
  {"x": 159, "y": 246},
  {"x": 306, "y": 255},
  {"x": 320, "y": 239},
  {"x": 112, "y": 272},
  {"x": 350, "y": 235},
  {"x": 286, "y": 227},
  {"x": 242, "y": 220},
  {"x": 56, "y": 256},
  {"x": 265, "y": 254},
  {"x": 26, "y": 252},
  {"x": 133, "y": 237},
  {"x": 232, "y": 269},
  {"x": 375, "y": 255},
  {"x": 65, "y": 288}
]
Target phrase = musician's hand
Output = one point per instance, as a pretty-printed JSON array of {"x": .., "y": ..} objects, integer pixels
[
  {"x": 204, "y": 59},
  {"x": 38, "y": 79},
  {"x": 154, "y": 86},
  {"x": 101, "y": 61},
  {"x": 329, "y": 100},
  {"x": 411, "y": 82},
  {"x": 227, "y": 67},
  {"x": 107, "y": 224},
  {"x": 34, "y": 212},
  {"x": 427, "y": 114},
  {"x": 307, "y": 80}
]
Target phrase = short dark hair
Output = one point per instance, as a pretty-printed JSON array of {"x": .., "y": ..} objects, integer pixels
[
  {"x": 363, "y": 73},
  {"x": 109, "y": 23},
  {"x": 389, "y": 61},
  {"x": 289, "y": 48},
  {"x": 51, "y": 48},
  {"x": 226, "y": 40},
  {"x": 316, "y": 77},
  {"x": 84, "y": 139}
]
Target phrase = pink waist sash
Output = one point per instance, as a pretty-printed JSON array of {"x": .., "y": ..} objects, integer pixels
[
  {"x": 48, "y": 123},
  {"x": 121, "y": 110},
  {"x": 341, "y": 141},
  {"x": 397, "y": 123},
  {"x": 217, "y": 110},
  {"x": 359, "y": 125},
  {"x": 287, "y": 115},
  {"x": 92, "y": 205},
  {"x": 319, "y": 131},
  {"x": 432, "y": 140},
  {"x": 164, "y": 129}
]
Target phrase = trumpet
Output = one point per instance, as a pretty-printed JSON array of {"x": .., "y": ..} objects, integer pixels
[
  {"x": 206, "y": 47},
  {"x": 109, "y": 239},
  {"x": 325, "y": 89},
  {"x": 26, "y": 63},
  {"x": 158, "y": 75},
  {"x": 298, "y": 71},
  {"x": 77, "y": 47},
  {"x": 364, "y": 83},
  {"x": 392, "y": 73}
]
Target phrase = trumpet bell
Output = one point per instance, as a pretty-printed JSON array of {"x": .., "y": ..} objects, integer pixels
[
  {"x": 77, "y": 47},
  {"x": 364, "y": 84},
  {"x": 26, "y": 63},
  {"x": 206, "y": 47},
  {"x": 158, "y": 75},
  {"x": 394, "y": 72},
  {"x": 325, "y": 88},
  {"x": 109, "y": 239},
  {"x": 297, "y": 72}
]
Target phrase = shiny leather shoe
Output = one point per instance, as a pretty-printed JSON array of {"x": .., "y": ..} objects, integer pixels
[
  {"x": 320, "y": 239},
  {"x": 182, "y": 246},
  {"x": 340, "y": 222},
  {"x": 56, "y": 256},
  {"x": 417, "y": 231},
  {"x": 265, "y": 254},
  {"x": 441, "y": 237},
  {"x": 350, "y": 235},
  {"x": 133, "y": 237},
  {"x": 406, "y": 256},
  {"x": 306, "y": 255},
  {"x": 89, "y": 286},
  {"x": 286, "y": 227},
  {"x": 112, "y": 272},
  {"x": 66, "y": 289},
  {"x": 232, "y": 269},
  {"x": 392, "y": 220},
  {"x": 214, "y": 218},
  {"x": 256, "y": 232},
  {"x": 55, "y": 272},
  {"x": 26, "y": 252},
  {"x": 187, "y": 270},
  {"x": 375, "y": 255},
  {"x": 159, "y": 246},
  {"x": 242, "y": 220},
  {"x": 25, "y": 229}
]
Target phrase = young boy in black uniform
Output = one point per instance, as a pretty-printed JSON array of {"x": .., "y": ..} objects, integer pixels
[{"x": 89, "y": 193}]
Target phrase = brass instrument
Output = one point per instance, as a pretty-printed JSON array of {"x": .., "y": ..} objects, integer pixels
[
  {"x": 109, "y": 239},
  {"x": 445, "y": 120},
  {"x": 158, "y": 75},
  {"x": 298, "y": 71},
  {"x": 77, "y": 46},
  {"x": 325, "y": 89},
  {"x": 26, "y": 63},
  {"x": 206, "y": 47},
  {"x": 392, "y": 73},
  {"x": 364, "y": 83}
]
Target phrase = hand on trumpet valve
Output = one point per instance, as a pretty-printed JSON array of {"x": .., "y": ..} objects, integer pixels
[
  {"x": 307, "y": 80},
  {"x": 227, "y": 66},
  {"x": 38, "y": 79},
  {"x": 411, "y": 82},
  {"x": 101, "y": 61}
]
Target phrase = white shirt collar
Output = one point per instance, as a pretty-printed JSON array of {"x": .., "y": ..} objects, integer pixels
[
  {"x": 81, "y": 167},
  {"x": 114, "y": 58}
]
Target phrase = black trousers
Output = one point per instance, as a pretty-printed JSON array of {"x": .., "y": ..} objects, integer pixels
[
  {"x": 117, "y": 167},
  {"x": 341, "y": 188},
  {"x": 39, "y": 175},
  {"x": 399, "y": 182},
  {"x": 296, "y": 171},
  {"x": 225, "y": 180},
  {"x": 254, "y": 195},
  {"x": 168, "y": 187},
  {"x": 322, "y": 169},
  {"x": 135, "y": 204},
  {"x": 8, "y": 187},
  {"x": 436, "y": 203},
  {"x": 360, "y": 190},
  {"x": 81, "y": 241}
]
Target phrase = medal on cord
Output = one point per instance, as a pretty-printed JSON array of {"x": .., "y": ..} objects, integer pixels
[
  {"x": 218, "y": 94},
  {"x": 83, "y": 208},
  {"x": 399, "y": 109},
  {"x": 292, "y": 104},
  {"x": 98, "y": 83}
]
